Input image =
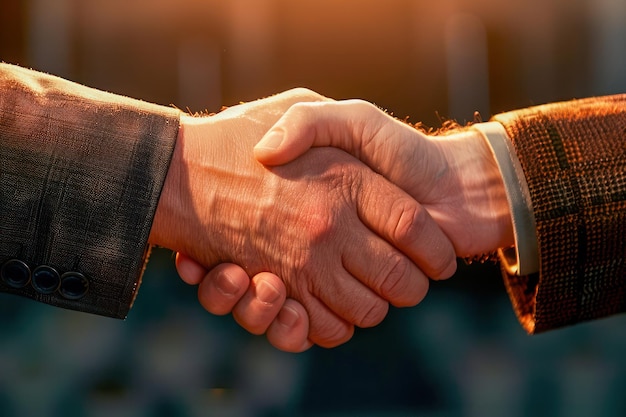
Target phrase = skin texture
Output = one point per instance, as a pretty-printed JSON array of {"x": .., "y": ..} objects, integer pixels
[
  {"x": 344, "y": 240},
  {"x": 227, "y": 288},
  {"x": 455, "y": 176}
]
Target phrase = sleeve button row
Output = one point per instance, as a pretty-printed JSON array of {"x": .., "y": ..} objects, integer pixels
[{"x": 44, "y": 279}]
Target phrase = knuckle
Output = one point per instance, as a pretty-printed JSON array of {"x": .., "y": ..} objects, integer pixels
[
  {"x": 396, "y": 275},
  {"x": 363, "y": 106},
  {"x": 332, "y": 334},
  {"x": 345, "y": 180},
  {"x": 372, "y": 313},
  {"x": 440, "y": 265},
  {"x": 320, "y": 228},
  {"x": 410, "y": 220},
  {"x": 367, "y": 125},
  {"x": 413, "y": 229},
  {"x": 302, "y": 93}
]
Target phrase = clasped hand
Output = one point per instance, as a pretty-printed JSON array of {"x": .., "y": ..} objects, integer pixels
[{"x": 344, "y": 239}]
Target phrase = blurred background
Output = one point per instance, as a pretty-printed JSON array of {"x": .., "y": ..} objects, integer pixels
[{"x": 459, "y": 353}]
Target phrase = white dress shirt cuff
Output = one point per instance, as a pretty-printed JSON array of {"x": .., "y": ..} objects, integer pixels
[{"x": 523, "y": 258}]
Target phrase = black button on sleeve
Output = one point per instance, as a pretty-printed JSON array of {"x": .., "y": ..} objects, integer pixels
[
  {"x": 15, "y": 273},
  {"x": 45, "y": 279},
  {"x": 74, "y": 285}
]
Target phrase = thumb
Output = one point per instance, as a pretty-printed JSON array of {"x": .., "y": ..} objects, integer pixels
[
  {"x": 347, "y": 125},
  {"x": 273, "y": 149},
  {"x": 291, "y": 136},
  {"x": 388, "y": 146}
]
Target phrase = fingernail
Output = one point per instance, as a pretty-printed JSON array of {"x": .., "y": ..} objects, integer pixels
[
  {"x": 226, "y": 284},
  {"x": 271, "y": 140},
  {"x": 288, "y": 316},
  {"x": 267, "y": 293}
]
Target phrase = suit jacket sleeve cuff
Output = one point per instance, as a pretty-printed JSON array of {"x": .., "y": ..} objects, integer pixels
[
  {"x": 572, "y": 157},
  {"x": 81, "y": 172}
]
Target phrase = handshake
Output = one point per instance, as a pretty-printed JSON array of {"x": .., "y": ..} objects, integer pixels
[
  {"x": 305, "y": 244},
  {"x": 330, "y": 236}
]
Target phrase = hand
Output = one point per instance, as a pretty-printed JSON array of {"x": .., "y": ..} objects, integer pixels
[
  {"x": 454, "y": 175},
  {"x": 334, "y": 231},
  {"x": 226, "y": 289}
]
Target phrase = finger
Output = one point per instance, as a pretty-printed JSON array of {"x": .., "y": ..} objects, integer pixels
[
  {"x": 261, "y": 303},
  {"x": 351, "y": 299},
  {"x": 407, "y": 225},
  {"x": 384, "y": 270},
  {"x": 397, "y": 151},
  {"x": 290, "y": 330},
  {"x": 189, "y": 270},
  {"x": 291, "y": 136},
  {"x": 326, "y": 329},
  {"x": 222, "y": 288}
]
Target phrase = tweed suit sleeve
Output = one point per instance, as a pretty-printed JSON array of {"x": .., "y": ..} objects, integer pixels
[
  {"x": 573, "y": 155},
  {"x": 81, "y": 173}
]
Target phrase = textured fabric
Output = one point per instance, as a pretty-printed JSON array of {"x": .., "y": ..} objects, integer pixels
[
  {"x": 81, "y": 172},
  {"x": 573, "y": 155}
]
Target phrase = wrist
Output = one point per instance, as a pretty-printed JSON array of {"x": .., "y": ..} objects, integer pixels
[
  {"x": 494, "y": 189},
  {"x": 482, "y": 191},
  {"x": 169, "y": 208}
]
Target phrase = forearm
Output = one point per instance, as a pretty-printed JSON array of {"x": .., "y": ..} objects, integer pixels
[{"x": 82, "y": 171}]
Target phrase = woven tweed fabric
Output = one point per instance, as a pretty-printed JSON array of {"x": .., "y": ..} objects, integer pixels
[{"x": 574, "y": 157}]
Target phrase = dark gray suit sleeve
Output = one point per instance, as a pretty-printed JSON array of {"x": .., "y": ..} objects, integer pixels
[{"x": 81, "y": 172}]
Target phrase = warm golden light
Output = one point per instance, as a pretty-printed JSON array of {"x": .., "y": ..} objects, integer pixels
[{"x": 201, "y": 54}]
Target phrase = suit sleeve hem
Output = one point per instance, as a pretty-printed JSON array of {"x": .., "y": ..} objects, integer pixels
[{"x": 81, "y": 173}]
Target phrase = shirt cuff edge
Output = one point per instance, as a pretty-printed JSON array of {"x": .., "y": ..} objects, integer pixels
[{"x": 523, "y": 258}]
